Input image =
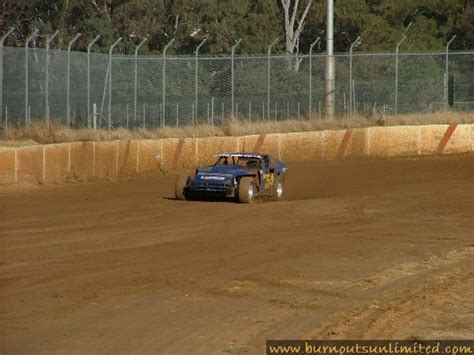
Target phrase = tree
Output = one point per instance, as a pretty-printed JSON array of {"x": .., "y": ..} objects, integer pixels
[
  {"x": 135, "y": 20},
  {"x": 294, "y": 26},
  {"x": 381, "y": 23},
  {"x": 222, "y": 22}
]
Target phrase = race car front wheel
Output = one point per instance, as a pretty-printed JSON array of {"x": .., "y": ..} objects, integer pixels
[
  {"x": 246, "y": 190},
  {"x": 179, "y": 186},
  {"x": 277, "y": 190}
]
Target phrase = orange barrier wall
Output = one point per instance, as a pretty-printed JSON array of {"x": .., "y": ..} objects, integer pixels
[{"x": 98, "y": 160}]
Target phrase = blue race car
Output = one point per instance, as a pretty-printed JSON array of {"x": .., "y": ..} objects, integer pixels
[{"x": 241, "y": 175}]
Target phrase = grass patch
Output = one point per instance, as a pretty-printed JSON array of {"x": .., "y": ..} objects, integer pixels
[{"x": 45, "y": 133}]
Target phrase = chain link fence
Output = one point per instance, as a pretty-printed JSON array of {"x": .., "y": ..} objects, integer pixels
[{"x": 155, "y": 91}]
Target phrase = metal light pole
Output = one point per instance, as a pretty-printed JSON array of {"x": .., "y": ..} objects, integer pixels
[
  {"x": 110, "y": 80},
  {"x": 330, "y": 71},
  {"x": 27, "y": 44},
  {"x": 46, "y": 97},
  {"x": 310, "y": 101},
  {"x": 396, "y": 73},
  {"x": 351, "y": 98},
  {"x": 89, "y": 47},
  {"x": 2, "y": 42},
  {"x": 68, "y": 78},
  {"x": 135, "y": 90},
  {"x": 232, "y": 74},
  {"x": 446, "y": 80},
  {"x": 164, "y": 81},
  {"x": 269, "y": 52},
  {"x": 196, "y": 83}
]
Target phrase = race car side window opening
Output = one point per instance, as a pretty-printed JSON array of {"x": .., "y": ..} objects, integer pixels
[
  {"x": 266, "y": 163},
  {"x": 249, "y": 162},
  {"x": 225, "y": 160},
  {"x": 241, "y": 161},
  {"x": 274, "y": 163}
]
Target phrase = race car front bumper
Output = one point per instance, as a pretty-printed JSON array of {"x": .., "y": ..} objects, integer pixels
[{"x": 217, "y": 190}]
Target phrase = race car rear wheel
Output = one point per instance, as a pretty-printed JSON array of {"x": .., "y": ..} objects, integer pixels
[
  {"x": 277, "y": 194},
  {"x": 179, "y": 186},
  {"x": 246, "y": 190}
]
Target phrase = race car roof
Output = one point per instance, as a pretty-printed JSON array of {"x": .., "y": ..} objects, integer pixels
[{"x": 241, "y": 154}]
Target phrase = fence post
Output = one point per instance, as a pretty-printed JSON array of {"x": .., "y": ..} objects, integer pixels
[
  {"x": 196, "y": 77},
  {"x": 104, "y": 92},
  {"x": 212, "y": 110},
  {"x": 396, "y": 73},
  {"x": 310, "y": 101},
  {"x": 110, "y": 80},
  {"x": 2, "y": 42},
  {"x": 68, "y": 79},
  {"x": 126, "y": 115},
  {"x": 89, "y": 80},
  {"x": 269, "y": 52},
  {"x": 232, "y": 74},
  {"x": 164, "y": 81},
  {"x": 354, "y": 104},
  {"x": 135, "y": 88},
  {"x": 396, "y": 67},
  {"x": 27, "y": 44},
  {"x": 351, "y": 97},
  {"x": 446, "y": 80},
  {"x": 177, "y": 115},
  {"x": 94, "y": 119},
  {"x": 46, "y": 97}
]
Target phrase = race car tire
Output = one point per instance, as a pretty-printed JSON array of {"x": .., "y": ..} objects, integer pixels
[
  {"x": 277, "y": 193},
  {"x": 246, "y": 190},
  {"x": 179, "y": 186}
]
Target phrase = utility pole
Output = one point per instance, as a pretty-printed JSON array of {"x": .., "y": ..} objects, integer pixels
[{"x": 330, "y": 70}]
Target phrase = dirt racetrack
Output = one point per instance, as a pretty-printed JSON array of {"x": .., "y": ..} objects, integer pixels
[{"x": 358, "y": 249}]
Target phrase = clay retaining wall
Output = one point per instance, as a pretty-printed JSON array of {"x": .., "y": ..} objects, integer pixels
[{"x": 98, "y": 160}]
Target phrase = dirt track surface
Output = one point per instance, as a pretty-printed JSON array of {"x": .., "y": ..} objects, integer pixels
[{"x": 368, "y": 249}]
